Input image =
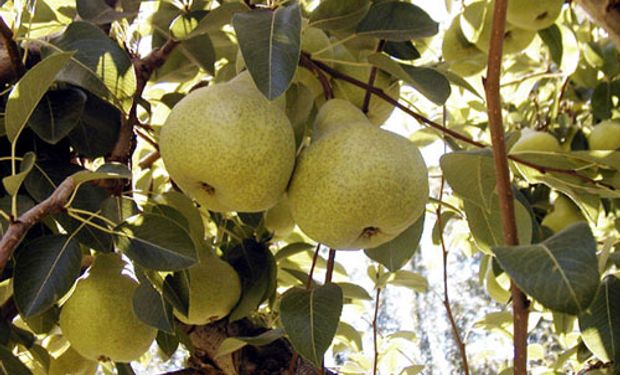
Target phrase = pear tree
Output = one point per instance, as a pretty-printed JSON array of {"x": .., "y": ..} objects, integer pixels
[{"x": 309, "y": 187}]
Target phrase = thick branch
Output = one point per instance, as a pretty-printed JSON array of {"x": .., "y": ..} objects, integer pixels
[
  {"x": 144, "y": 69},
  {"x": 606, "y": 13},
  {"x": 502, "y": 173},
  {"x": 17, "y": 229},
  {"x": 11, "y": 47}
]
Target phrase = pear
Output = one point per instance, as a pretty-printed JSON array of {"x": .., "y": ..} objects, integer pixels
[
  {"x": 378, "y": 110},
  {"x": 334, "y": 114},
  {"x": 463, "y": 57},
  {"x": 228, "y": 147},
  {"x": 98, "y": 319},
  {"x": 533, "y": 14},
  {"x": 358, "y": 186},
  {"x": 313, "y": 40},
  {"x": 564, "y": 213},
  {"x": 476, "y": 21},
  {"x": 278, "y": 219},
  {"x": 536, "y": 141},
  {"x": 214, "y": 289},
  {"x": 72, "y": 363},
  {"x": 605, "y": 135}
]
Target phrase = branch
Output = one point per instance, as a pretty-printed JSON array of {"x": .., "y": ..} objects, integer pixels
[
  {"x": 371, "y": 79},
  {"x": 13, "y": 51},
  {"x": 502, "y": 173},
  {"x": 307, "y": 62},
  {"x": 144, "y": 70},
  {"x": 375, "y": 363},
  {"x": 18, "y": 228},
  {"x": 606, "y": 13}
]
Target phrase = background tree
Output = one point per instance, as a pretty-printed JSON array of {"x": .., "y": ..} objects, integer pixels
[{"x": 518, "y": 101}]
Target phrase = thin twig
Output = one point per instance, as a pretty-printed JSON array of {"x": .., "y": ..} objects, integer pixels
[
  {"x": 147, "y": 161},
  {"x": 11, "y": 47},
  {"x": 307, "y": 62},
  {"x": 504, "y": 186},
  {"x": 375, "y": 364},
  {"x": 331, "y": 261},
  {"x": 371, "y": 79}
]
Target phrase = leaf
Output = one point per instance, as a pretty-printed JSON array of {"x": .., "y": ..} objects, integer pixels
[
  {"x": 98, "y": 128},
  {"x": 10, "y": 364},
  {"x": 45, "y": 270},
  {"x": 293, "y": 249},
  {"x": 99, "y": 12},
  {"x": 459, "y": 81},
  {"x": 167, "y": 343},
  {"x": 310, "y": 318},
  {"x": 397, "y": 252},
  {"x": 124, "y": 369},
  {"x": 156, "y": 242},
  {"x": 402, "y": 50},
  {"x": 99, "y": 65},
  {"x": 409, "y": 279},
  {"x": 552, "y": 36},
  {"x": 152, "y": 309},
  {"x": 218, "y": 17},
  {"x": 29, "y": 90},
  {"x": 104, "y": 172},
  {"x": 57, "y": 114},
  {"x": 397, "y": 21},
  {"x": 14, "y": 182},
  {"x": 429, "y": 82},
  {"x": 200, "y": 51},
  {"x": 232, "y": 344},
  {"x": 270, "y": 45},
  {"x": 354, "y": 291},
  {"x": 471, "y": 174},
  {"x": 602, "y": 101},
  {"x": 256, "y": 267},
  {"x": 560, "y": 272},
  {"x": 600, "y": 325},
  {"x": 336, "y": 15}
]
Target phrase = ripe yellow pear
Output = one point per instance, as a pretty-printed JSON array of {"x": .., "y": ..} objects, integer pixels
[
  {"x": 564, "y": 213},
  {"x": 378, "y": 110},
  {"x": 476, "y": 22},
  {"x": 358, "y": 186},
  {"x": 463, "y": 57},
  {"x": 228, "y": 147},
  {"x": 72, "y": 363},
  {"x": 533, "y": 14},
  {"x": 536, "y": 141},
  {"x": 98, "y": 319},
  {"x": 278, "y": 219},
  {"x": 605, "y": 135},
  {"x": 334, "y": 114},
  {"x": 214, "y": 289}
]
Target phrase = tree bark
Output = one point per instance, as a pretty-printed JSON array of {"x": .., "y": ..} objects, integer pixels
[{"x": 605, "y": 13}]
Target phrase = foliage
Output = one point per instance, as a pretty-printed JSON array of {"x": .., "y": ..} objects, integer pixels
[{"x": 82, "y": 176}]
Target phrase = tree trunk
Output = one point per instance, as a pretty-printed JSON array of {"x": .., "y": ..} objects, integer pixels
[{"x": 605, "y": 13}]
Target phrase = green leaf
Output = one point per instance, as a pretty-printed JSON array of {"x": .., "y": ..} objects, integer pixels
[
  {"x": 185, "y": 206},
  {"x": 339, "y": 14},
  {"x": 218, "y": 17},
  {"x": 176, "y": 291},
  {"x": 354, "y": 292},
  {"x": 471, "y": 174},
  {"x": 167, "y": 343},
  {"x": 293, "y": 249},
  {"x": 156, "y": 242},
  {"x": 10, "y": 364},
  {"x": 408, "y": 279},
  {"x": 560, "y": 272},
  {"x": 100, "y": 65},
  {"x": 552, "y": 36},
  {"x": 57, "y": 114},
  {"x": 270, "y": 45},
  {"x": 310, "y": 318},
  {"x": 232, "y": 344},
  {"x": 602, "y": 101},
  {"x": 99, "y": 12},
  {"x": 397, "y": 252},
  {"x": 104, "y": 172},
  {"x": 29, "y": 90},
  {"x": 199, "y": 50},
  {"x": 459, "y": 81},
  {"x": 397, "y": 21},
  {"x": 429, "y": 82},
  {"x": 152, "y": 309},
  {"x": 402, "y": 50},
  {"x": 98, "y": 128},
  {"x": 124, "y": 369},
  {"x": 14, "y": 182},
  {"x": 600, "y": 325},
  {"x": 44, "y": 271}
]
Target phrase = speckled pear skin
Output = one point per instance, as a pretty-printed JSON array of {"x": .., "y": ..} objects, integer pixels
[
  {"x": 358, "y": 187},
  {"x": 98, "y": 318},
  {"x": 228, "y": 147}
]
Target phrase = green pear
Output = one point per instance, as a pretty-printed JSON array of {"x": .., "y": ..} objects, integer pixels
[
  {"x": 313, "y": 40},
  {"x": 476, "y": 21},
  {"x": 536, "y": 141},
  {"x": 72, "y": 363},
  {"x": 358, "y": 187},
  {"x": 605, "y": 135},
  {"x": 564, "y": 213},
  {"x": 214, "y": 289},
  {"x": 228, "y": 147},
  {"x": 334, "y": 114},
  {"x": 463, "y": 57},
  {"x": 98, "y": 319},
  {"x": 278, "y": 219},
  {"x": 533, "y": 14}
]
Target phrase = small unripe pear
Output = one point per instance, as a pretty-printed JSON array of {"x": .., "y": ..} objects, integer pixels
[
  {"x": 278, "y": 219},
  {"x": 536, "y": 141},
  {"x": 462, "y": 56},
  {"x": 72, "y": 363},
  {"x": 98, "y": 319},
  {"x": 214, "y": 289},
  {"x": 335, "y": 114},
  {"x": 605, "y": 135},
  {"x": 533, "y": 14},
  {"x": 564, "y": 213}
]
